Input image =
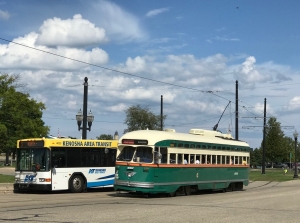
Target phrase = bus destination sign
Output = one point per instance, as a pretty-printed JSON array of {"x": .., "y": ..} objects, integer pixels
[
  {"x": 135, "y": 141},
  {"x": 32, "y": 143}
]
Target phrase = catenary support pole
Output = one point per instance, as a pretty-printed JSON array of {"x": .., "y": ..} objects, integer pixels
[
  {"x": 161, "y": 113},
  {"x": 236, "y": 111},
  {"x": 263, "y": 167}
]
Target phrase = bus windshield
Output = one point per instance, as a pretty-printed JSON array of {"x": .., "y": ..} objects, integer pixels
[
  {"x": 33, "y": 159},
  {"x": 139, "y": 154}
]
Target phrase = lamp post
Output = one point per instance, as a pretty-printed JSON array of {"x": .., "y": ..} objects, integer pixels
[
  {"x": 86, "y": 119},
  {"x": 295, "y": 161}
]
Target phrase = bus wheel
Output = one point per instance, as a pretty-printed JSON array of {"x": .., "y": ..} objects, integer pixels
[
  {"x": 187, "y": 190},
  {"x": 77, "y": 184}
]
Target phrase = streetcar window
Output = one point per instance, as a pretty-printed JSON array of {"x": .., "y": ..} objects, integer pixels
[
  {"x": 126, "y": 154},
  {"x": 223, "y": 148},
  {"x": 236, "y": 160},
  {"x": 173, "y": 158},
  {"x": 208, "y": 147},
  {"x": 143, "y": 154},
  {"x": 203, "y": 160},
  {"x": 223, "y": 160},
  {"x": 164, "y": 154},
  {"x": 192, "y": 146},
  {"x": 180, "y": 160},
  {"x": 198, "y": 158},
  {"x": 186, "y": 145},
  {"x": 192, "y": 158},
  {"x": 240, "y": 159},
  {"x": 213, "y": 147},
  {"x": 180, "y": 144},
  {"x": 203, "y": 146},
  {"x": 227, "y": 159},
  {"x": 198, "y": 146},
  {"x": 219, "y": 159},
  {"x": 186, "y": 157},
  {"x": 213, "y": 161},
  {"x": 208, "y": 161},
  {"x": 219, "y": 147}
]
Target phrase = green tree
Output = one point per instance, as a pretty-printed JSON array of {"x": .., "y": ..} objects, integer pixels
[
  {"x": 276, "y": 147},
  {"x": 256, "y": 157},
  {"x": 138, "y": 118},
  {"x": 20, "y": 116},
  {"x": 104, "y": 137}
]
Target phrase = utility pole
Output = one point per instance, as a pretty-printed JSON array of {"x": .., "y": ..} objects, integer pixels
[
  {"x": 161, "y": 113},
  {"x": 263, "y": 168},
  {"x": 236, "y": 111}
]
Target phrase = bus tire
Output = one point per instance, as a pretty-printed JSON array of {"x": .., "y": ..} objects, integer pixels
[
  {"x": 187, "y": 190},
  {"x": 77, "y": 184}
]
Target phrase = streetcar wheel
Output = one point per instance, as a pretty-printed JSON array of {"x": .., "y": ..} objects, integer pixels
[
  {"x": 77, "y": 184},
  {"x": 187, "y": 190},
  {"x": 172, "y": 194},
  {"x": 230, "y": 187}
]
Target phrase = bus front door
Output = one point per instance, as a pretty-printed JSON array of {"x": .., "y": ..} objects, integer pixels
[{"x": 60, "y": 179}]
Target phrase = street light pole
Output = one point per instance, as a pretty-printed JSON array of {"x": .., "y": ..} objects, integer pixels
[
  {"x": 295, "y": 161},
  {"x": 86, "y": 119}
]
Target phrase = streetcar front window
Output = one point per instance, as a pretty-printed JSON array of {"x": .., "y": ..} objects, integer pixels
[
  {"x": 126, "y": 154},
  {"x": 33, "y": 159},
  {"x": 143, "y": 154}
]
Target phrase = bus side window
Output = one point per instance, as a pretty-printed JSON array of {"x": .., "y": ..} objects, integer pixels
[
  {"x": 58, "y": 157},
  {"x": 110, "y": 157}
]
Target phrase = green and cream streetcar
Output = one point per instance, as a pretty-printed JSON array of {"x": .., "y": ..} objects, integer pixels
[{"x": 152, "y": 162}]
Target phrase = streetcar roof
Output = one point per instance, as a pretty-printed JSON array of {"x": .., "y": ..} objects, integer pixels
[{"x": 154, "y": 136}]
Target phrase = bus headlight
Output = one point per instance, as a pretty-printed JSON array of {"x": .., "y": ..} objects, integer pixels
[{"x": 44, "y": 179}]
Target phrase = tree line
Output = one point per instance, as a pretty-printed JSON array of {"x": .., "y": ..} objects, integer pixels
[{"x": 278, "y": 147}]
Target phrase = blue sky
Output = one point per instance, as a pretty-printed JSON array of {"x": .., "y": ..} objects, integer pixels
[{"x": 204, "y": 45}]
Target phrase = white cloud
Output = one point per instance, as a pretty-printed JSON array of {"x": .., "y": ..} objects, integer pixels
[
  {"x": 119, "y": 24},
  {"x": 248, "y": 73},
  {"x": 75, "y": 32},
  {"x": 294, "y": 104},
  {"x": 17, "y": 57},
  {"x": 135, "y": 65},
  {"x": 4, "y": 15},
  {"x": 156, "y": 12},
  {"x": 259, "y": 109}
]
